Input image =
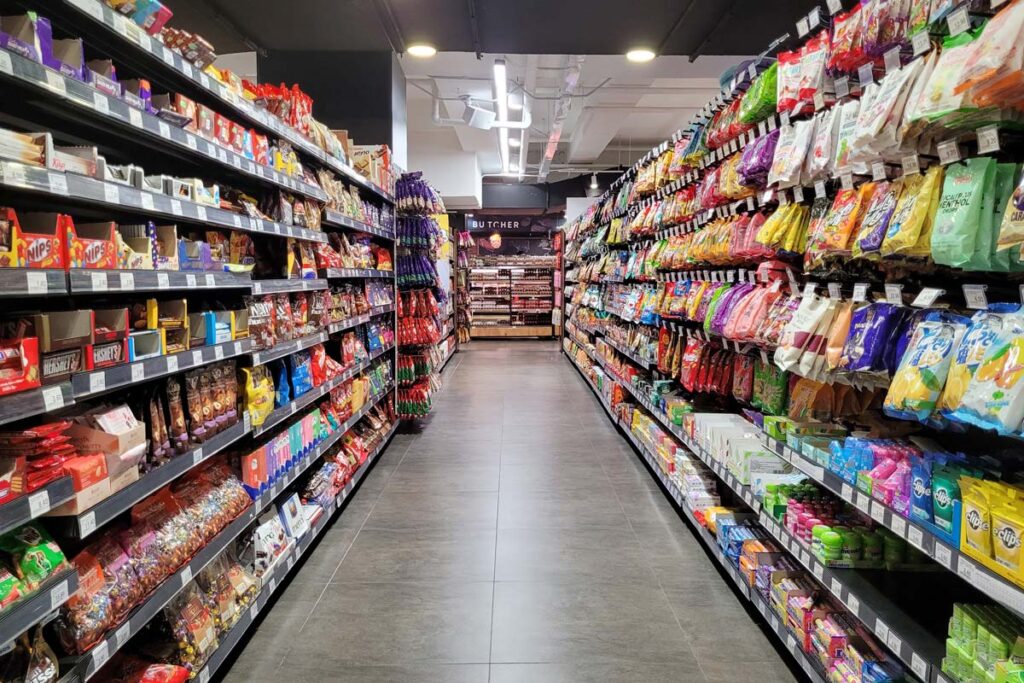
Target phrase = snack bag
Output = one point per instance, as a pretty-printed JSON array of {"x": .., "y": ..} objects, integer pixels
[
  {"x": 912, "y": 218},
  {"x": 1011, "y": 231},
  {"x": 959, "y": 218},
  {"x": 995, "y": 396},
  {"x": 917, "y": 384},
  {"x": 982, "y": 332}
]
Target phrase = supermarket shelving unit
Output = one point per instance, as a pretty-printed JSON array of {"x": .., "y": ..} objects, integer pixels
[
  {"x": 74, "y": 110},
  {"x": 512, "y": 301}
]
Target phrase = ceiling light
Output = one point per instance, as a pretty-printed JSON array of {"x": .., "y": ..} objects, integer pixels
[
  {"x": 640, "y": 54},
  {"x": 501, "y": 97},
  {"x": 513, "y": 105},
  {"x": 514, "y": 142},
  {"x": 421, "y": 50},
  {"x": 513, "y": 167},
  {"x": 593, "y": 181}
]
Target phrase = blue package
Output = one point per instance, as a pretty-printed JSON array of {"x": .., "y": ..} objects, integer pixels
[
  {"x": 921, "y": 489},
  {"x": 282, "y": 392},
  {"x": 302, "y": 377}
]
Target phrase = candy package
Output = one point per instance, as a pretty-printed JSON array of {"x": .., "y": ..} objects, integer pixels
[
  {"x": 984, "y": 330},
  {"x": 33, "y": 554},
  {"x": 915, "y": 388},
  {"x": 995, "y": 395}
]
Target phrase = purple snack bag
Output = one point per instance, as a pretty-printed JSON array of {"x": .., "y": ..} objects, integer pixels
[{"x": 870, "y": 330}]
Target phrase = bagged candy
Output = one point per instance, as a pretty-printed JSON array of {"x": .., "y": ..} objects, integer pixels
[
  {"x": 983, "y": 331},
  {"x": 917, "y": 384},
  {"x": 34, "y": 555},
  {"x": 995, "y": 396}
]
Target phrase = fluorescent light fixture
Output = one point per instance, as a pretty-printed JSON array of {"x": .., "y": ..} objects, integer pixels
[
  {"x": 514, "y": 142},
  {"x": 593, "y": 181},
  {"x": 501, "y": 97},
  {"x": 421, "y": 50},
  {"x": 513, "y": 167},
  {"x": 513, "y": 105},
  {"x": 640, "y": 54}
]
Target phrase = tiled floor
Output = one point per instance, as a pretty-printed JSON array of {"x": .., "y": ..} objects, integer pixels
[{"x": 517, "y": 538}]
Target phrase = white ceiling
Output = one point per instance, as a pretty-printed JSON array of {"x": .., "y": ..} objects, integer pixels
[{"x": 640, "y": 106}]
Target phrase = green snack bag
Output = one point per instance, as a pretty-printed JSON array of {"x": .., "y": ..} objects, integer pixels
[
  {"x": 34, "y": 555},
  {"x": 981, "y": 259},
  {"x": 958, "y": 219},
  {"x": 945, "y": 490}
]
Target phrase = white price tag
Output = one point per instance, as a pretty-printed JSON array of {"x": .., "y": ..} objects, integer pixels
[
  {"x": 846, "y": 181},
  {"x": 165, "y": 130},
  {"x": 36, "y": 283},
  {"x": 218, "y": 352},
  {"x": 163, "y": 281},
  {"x": 943, "y": 555},
  {"x": 176, "y": 207},
  {"x": 860, "y": 292},
  {"x": 186, "y": 574},
  {"x": 98, "y": 282},
  {"x": 111, "y": 193},
  {"x": 958, "y": 20},
  {"x": 835, "y": 290},
  {"x": 801, "y": 27},
  {"x": 204, "y": 676},
  {"x": 926, "y": 297},
  {"x": 238, "y": 348},
  {"x": 58, "y": 595},
  {"x": 819, "y": 189},
  {"x": 809, "y": 289},
  {"x": 197, "y": 358},
  {"x": 842, "y": 86},
  {"x": 38, "y": 504},
  {"x": 172, "y": 363},
  {"x": 190, "y": 279},
  {"x": 86, "y": 524},
  {"x": 254, "y": 611},
  {"x": 100, "y": 103},
  {"x": 5, "y": 63},
  {"x": 237, "y": 220},
  {"x": 798, "y": 194},
  {"x": 147, "y": 201},
  {"x": 97, "y": 382},
  {"x": 122, "y": 634},
  {"x": 201, "y": 213},
  {"x": 894, "y": 294},
  {"x": 246, "y": 421},
  {"x": 205, "y": 80},
  {"x": 910, "y": 164},
  {"x": 138, "y": 372},
  {"x": 818, "y": 570},
  {"x": 918, "y": 666},
  {"x": 878, "y": 512},
  {"x": 892, "y": 60},
  {"x": 135, "y": 117},
  {"x": 56, "y": 83},
  {"x": 975, "y": 297},
  {"x": 898, "y": 525},
  {"x": 126, "y": 281},
  {"x": 878, "y": 171},
  {"x": 895, "y": 644},
  {"x": 100, "y": 654},
  {"x": 881, "y": 630},
  {"x": 863, "y": 502},
  {"x": 949, "y": 152},
  {"x": 920, "y": 43},
  {"x": 197, "y": 456},
  {"x": 211, "y": 281},
  {"x": 836, "y": 587},
  {"x": 915, "y": 537},
  {"x": 834, "y": 6},
  {"x": 988, "y": 139},
  {"x": 814, "y": 18},
  {"x": 854, "y": 604},
  {"x": 866, "y": 73},
  {"x": 273, "y": 584},
  {"x": 53, "y": 398}
]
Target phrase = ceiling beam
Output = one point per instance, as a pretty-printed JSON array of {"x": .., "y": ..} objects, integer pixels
[
  {"x": 675, "y": 26},
  {"x": 474, "y": 26},
  {"x": 725, "y": 14},
  {"x": 393, "y": 32}
]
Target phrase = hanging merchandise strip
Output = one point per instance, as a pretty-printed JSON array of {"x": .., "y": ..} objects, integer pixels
[
  {"x": 912, "y": 645},
  {"x": 138, "y": 42}
]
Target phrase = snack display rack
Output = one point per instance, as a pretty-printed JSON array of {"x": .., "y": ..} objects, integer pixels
[
  {"x": 675, "y": 226},
  {"x": 193, "y": 308}
]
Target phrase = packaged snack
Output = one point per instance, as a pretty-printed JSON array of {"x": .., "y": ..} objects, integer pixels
[
  {"x": 983, "y": 331},
  {"x": 34, "y": 555},
  {"x": 259, "y": 393},
  {"x": 959, "y": 217},
  {"x": 193, "y": 628},
  {"x": 911, "y": 220},
  {"x": 918, "y": 383},
  {"x": 876, "y": 219},
  {"x": 995, "y": 396}
]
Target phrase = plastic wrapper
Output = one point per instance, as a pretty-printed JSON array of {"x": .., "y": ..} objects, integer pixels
[
  {"x": 910, "y": 227},
  {"x": 958, "y": 221},
  {"x": 790, "y": 152},
  {"x": 192, "y": 625},
  {"x": 915, "y": 388},
  {"x": 788, "y": 81},
  {"x": 876, "y": 219},
  {"x": 994, "y": 399},
  {"x": 33, "y": 554}
]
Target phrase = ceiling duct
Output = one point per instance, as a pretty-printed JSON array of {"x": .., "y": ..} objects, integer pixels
[{"x": 571, "y": 75}]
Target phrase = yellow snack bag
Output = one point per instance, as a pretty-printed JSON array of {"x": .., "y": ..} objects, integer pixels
[
  {"x": 909, "y": 225},
  {"x": 977, "y": 516},
  {"x": 1007, "y": 528}
]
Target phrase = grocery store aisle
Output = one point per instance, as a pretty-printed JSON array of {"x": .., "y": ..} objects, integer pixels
[{"x": 518, "y": 537}]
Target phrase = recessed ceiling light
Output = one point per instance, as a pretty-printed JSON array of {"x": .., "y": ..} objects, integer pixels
[
  {"x": 513, "y": 142},
  {"x": 640, "y": 54},
  {"x": 421, "y": 50}
]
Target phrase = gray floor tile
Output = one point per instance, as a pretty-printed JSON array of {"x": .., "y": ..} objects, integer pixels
[
  {"x": 545, "y": 622},
  {"x": 434, "y": 510},
  {"x": 571, "y": 555},
  {"x": 598, "y": 672},
  {"x": 397, "y": 623},
  {"x": 408, "y": 673},
  {"x": 558, "y": 509},
  {"x": 419, "y": 555}
]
